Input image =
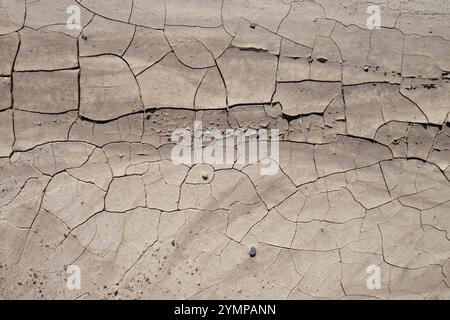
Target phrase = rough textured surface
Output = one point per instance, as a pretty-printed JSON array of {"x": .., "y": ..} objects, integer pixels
[{"x": 86, "y": 177}]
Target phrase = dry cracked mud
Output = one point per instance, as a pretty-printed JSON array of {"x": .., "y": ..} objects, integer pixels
[{"x": 86, "y": 176}]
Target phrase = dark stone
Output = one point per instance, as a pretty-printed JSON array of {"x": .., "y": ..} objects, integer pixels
[
  {"x": 252, "y": 252},
  {"x": 429, "y": 86}
]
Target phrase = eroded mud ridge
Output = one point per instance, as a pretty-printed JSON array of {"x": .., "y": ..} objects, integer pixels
[{"x": 87, "y": 180}]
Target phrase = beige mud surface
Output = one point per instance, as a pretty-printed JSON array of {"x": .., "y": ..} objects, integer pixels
[{"x": 86, "y": 176}]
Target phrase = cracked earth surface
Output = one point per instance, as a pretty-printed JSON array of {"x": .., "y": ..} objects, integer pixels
[{"x": 86, "y": 176}]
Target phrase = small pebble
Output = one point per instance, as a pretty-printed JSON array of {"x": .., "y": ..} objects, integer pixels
[{"x": 252, "y": 252}]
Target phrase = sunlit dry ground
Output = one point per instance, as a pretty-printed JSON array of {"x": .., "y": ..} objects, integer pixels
[{"x": 86, "y": 176}]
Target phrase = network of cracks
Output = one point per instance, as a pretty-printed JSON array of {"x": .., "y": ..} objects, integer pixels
[{"x": 87, "y": 178}]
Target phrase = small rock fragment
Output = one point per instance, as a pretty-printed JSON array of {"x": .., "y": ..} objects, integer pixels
[{"x": 252, "y": 252}]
